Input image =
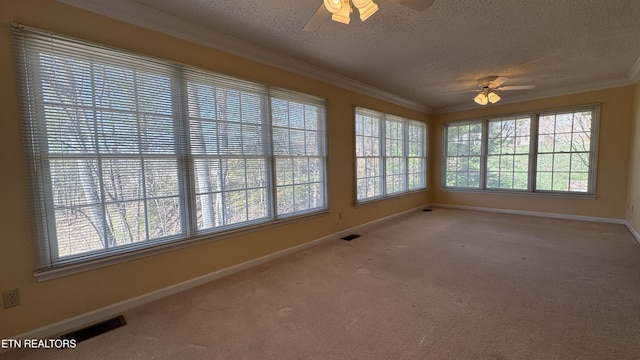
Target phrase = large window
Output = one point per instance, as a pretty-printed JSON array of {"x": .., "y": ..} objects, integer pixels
[
  {"x": 299, "y": 151},
  {"x": 508, "y": 145},
  {"x": 129, "y": 152},
  {"x": 565, "y": 144},
  {"x": 552, "y": 152},
  {"x": 464, "y": 144},
  {"x": 390, "y": 155}
]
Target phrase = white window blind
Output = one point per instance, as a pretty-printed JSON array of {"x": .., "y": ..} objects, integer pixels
[
  {"x": 395, "y": 155},
  {"x": 127, "y": 152},
  {"x": 369, "y": 159},
  {"x": 229, "y": 138},
  {"x": 298, "y": 129},
  {"x": 390, "y": 155}
]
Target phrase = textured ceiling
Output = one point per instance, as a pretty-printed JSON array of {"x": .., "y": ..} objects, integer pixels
[{"x": 562, "y": 46}]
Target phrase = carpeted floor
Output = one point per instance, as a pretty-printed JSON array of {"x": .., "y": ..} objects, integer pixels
[{"x": 445, "y": 284}]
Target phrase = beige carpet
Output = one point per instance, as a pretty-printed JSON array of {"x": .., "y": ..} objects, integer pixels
[{"x": 446, "y": 284}]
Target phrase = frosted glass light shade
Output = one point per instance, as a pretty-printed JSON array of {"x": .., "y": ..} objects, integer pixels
[
  {"x": 333, "y": 6},
  {"x": 344, "y": 15},
  {"x": 481, "y": 99},
  {"x": 493, "y": 97},
  {"x": 366, "y": 8}
]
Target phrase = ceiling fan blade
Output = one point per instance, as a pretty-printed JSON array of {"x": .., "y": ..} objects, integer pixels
[
  {"x": 321, "y": 16},
  {"x": 418, "y": 5},
  {"x": 497, "y": 82},
  {"x": 516, "y": 87},
  {"x": 462, "y": 91}
]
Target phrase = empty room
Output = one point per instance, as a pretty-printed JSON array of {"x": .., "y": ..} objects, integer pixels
[{"x": 320, "y": 179}]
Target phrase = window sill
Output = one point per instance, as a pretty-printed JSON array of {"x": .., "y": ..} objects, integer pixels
[
  {"x": 72, "y": 268},
  {"x": 565, "y": 195},
  {"x": 387, "y": 197}
]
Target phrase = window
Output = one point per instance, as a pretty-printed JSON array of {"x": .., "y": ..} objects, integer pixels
[
  {"x": 416, "y": 155},
  {"x": 551, "y": 152},
  {"x": 129, "y": 152},
  {"x": 369, "y": 154},
  {"x": 395, "y": 164},
  {"x": 565, "y": 150},
  {"x": 508, "y": 144},
  {"x": 390, "y": 155},
  {"x": 228, "y": 132},
  {"x": 299, "y": 151},
  {"x": 464, "y": 144}
]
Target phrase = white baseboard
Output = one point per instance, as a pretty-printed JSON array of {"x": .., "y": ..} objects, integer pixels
[
  {"x": 107, "y": 312},
  {"x": 535, "y": 213},
  {"x": 633, "y": 231},
  {"x": 91, "y": 317},
  {"x": 624, "y": 222}
]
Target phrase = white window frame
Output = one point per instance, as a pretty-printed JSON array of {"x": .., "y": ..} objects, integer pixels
[
  {"x": 387, "y": 162},
  {"x": 173, "y": 146},
  {"x": 533, "y": 154},
  {"x": 516, "y": 150},
  {"x": 572, "y": 154},
  {"x": 462, "y": 153}
]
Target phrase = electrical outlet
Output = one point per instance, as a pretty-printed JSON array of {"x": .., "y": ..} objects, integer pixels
[{"x": 11, "y": 298}]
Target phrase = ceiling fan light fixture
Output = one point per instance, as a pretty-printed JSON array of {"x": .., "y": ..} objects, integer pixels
[
  {"x": 344, "y": 15},
  {"x": 333, "y": 6},
  {"x": 493, "y": 97},
  {"x": 481, "y": 99},
  {"x": 366, "y": 8}
]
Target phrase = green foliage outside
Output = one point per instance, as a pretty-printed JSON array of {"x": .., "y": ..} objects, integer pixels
[{"x": 563, "y": 153}]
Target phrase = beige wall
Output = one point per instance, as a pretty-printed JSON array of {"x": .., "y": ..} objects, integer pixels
[
  {"x": 633, "y": 203},
  {"x": 47, "y": 302},
  {"x": 51, "y": 301},
  {"x": 613, "y": 157}
]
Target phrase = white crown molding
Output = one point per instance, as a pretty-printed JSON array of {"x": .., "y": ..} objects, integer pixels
[
  {"x": 141, "y": 15},
  {"x": 517, "y": 98}
]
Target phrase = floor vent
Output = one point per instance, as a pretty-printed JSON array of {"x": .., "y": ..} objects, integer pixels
[
  {"x": 96, "y": 329},
  {"x": 427, "y": 209},
  {"x": 350, "y": 237}
]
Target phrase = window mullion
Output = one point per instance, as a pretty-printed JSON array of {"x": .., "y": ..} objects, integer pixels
[
  {"x": 483, "y": 153},
  {"x": 533, "y": 152},
  {"x": 383, "y": 152},
  {"x": 268, "y": 151},
  {"x": 272, "y": 189},
  {"x": 141, "y": 157},
  {"x": 593, "y": 149},
  {"x": 186, "y": 167},
  {"x": 572, "y": 151},
  {"x": 103, "y": 210},
  {"x": 405, "y": 153}
]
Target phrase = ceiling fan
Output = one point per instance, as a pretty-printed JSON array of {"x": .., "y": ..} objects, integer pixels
[
  {"x": 488, "y": 85},
  {"x": 340, "y": 10}
]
